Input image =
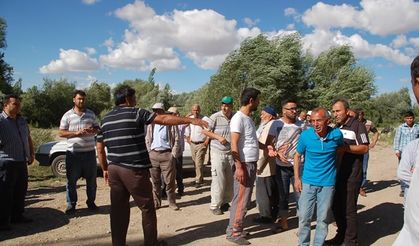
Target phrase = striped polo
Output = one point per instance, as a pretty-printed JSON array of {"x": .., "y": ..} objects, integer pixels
[
  {"x": 123, "y": 133},
  {"x": 71, "y": 121},
  {"x": 14, "y": 134}
]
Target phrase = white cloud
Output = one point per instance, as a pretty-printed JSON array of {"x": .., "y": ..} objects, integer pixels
[
  {"x": 90, "y": 51},
  {"x": 373, "y": 16},
  {"x": 321, "y": 40},
  {"x": 399, "y": 41},
  {"x": 290, "y": 27},
  {"x": 414, "y": 41},
  {"x": 70, "y": 60},
  {"x": 90, "y": 2},
  {"x": 290, "y": 12},
  {"x": 251, "y": 23}
]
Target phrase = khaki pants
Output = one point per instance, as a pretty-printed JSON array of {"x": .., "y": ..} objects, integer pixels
[
  {"x": 198, "y": 152},
  {"x": 162, "y": 164},
  {"x": 222, "y": 178}
]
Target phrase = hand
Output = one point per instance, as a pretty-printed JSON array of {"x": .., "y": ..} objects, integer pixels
[
  {"x": 222, "y": 140},
  {"x": 106, "y": 177},
  {"x": 31, "y": 159},
  {"x": 271, "y": 151},
  {"x": 372, "y": 145},
  {"x": 298, "y": 185},
  {"x": 398, "y": 155},
  {"x": 282, "y": 157},
  {"x": 258, "y": 172},
  {"x": 241, "y": 174},
  {"x": 199, "y": 122}
]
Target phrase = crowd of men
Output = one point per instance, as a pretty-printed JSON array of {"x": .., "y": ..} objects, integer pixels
[{"x": 324, "y": 158}]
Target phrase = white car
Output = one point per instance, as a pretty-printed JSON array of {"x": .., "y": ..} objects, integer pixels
[{"x": 53, "y": 154}]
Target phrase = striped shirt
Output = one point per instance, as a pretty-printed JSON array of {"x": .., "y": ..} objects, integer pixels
[
  {"x": 405, "y": 134},
  {"x": 71, "y": 121},
  {"x": 220, "y": 124},
  {"x": 123, "y": 133},
  {"x": 14, "y": 134}
]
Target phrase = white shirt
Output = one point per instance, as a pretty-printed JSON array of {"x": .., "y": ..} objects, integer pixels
[
  {"x": 289, "y": 134},
  {"x": 195, "y": 132},
  {"x": 248, "y": 143}
]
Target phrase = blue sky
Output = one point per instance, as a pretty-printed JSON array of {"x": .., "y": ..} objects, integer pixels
[{"x": 110, "y": 41}]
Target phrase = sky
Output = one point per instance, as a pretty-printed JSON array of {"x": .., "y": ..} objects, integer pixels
[{"x": 112, "y": 41}]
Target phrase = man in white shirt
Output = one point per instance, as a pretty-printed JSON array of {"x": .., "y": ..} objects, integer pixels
[{"x": 245, "y": 151}]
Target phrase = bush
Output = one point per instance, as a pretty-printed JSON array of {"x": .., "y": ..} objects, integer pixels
[{"x": 40, "y": 136}]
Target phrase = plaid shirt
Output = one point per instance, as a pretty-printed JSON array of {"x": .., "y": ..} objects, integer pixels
[{"x": 405, "y": 134}]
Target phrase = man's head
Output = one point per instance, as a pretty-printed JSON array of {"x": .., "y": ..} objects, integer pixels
[
  {"x": 250, "y": 97},
  {"x": 409, "y": 118},
  {"x": 303, "y": 115},
  {"x": 158, "y": 108},
  {"x": 227, "y": 105},
  {"x": 414, "y": 71},
  {"x": 268, "y": 113},
  {"x": 79, "y": 99},
  {"x": 340, "y": 110},
  {"x": 12, "y": 105},
  {"x": 196, "y": 110},
  {"x": 125, "y": 95},
  {"x": 289, "y": 109},
  {"x": 361, "y": 114},
  {"x": 173, "y": 111},
  {"x": 319, "y": 119}
]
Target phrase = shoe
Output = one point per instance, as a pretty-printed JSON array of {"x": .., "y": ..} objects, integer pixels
[
  {"x": 70, "y": 210},
  {"x": 336, "y": 241},
  {"x": 239, "y": 241},
  {"x": 173, "y": 206},
  {"x": 262, "y": 220},
  {"x": 5, "y": 227},
  {"x": 216, "y": 211},
  {"x": 401, "y": 194},
  {"x": 180, "y": 193},
  {"x": 92, "y": 206},
  {"x": 21, "y": 219},
  {"x": 362, "y": 192},
  {"x": 225, "y": 207}
]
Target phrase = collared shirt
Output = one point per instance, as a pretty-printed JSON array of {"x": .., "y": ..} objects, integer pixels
[
  {"x": 320, "y": 156},
  {"x": 220, "y": 125},
  {"x": 408, "y": 161},
  {"x": 354, "y": 133},
  {"x": 160, "y": 138},
  {"x": 123, "y": 133},
  {"x": 71, "y": 121},
  {"x": 195, "y": 132},
  {"x": 288, "y": 134},
  {"x": 14, "y": 134},
  {"x": 405, "y": 134}
]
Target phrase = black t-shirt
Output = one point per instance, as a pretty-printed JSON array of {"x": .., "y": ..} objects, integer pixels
[{"x": 354, "y": 133}]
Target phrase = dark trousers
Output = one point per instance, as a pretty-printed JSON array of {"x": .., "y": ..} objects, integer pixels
[
  {"x": 345, "y": 210},
  {"x": 13, "y": 188},
  {"x": 123, "y": 183},
  {"x": 179, "y": 173}
]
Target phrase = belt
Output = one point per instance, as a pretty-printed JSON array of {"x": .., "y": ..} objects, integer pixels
[
  {"x": 198, "y": 142},
  {"x": 162, "y": 151}
]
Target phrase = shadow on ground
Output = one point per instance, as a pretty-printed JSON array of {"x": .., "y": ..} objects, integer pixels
[{"x": 373, "y": 186}]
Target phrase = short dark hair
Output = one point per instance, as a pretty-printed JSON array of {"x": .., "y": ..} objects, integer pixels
[
  {"x": 286, "y": 101},
  {"x": 247, "y": 94},
  {"x": 79, "y": 92},
  {"x": 342, "y": 100},
  {"x": 7, "y": 97},
  {"x": 122, "y": 93},
  {"x": 414, "y": 68},
  {"x": 408, "y": 113}
]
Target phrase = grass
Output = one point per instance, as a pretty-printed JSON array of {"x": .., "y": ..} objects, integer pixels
[{"x": 41, "y": 176}]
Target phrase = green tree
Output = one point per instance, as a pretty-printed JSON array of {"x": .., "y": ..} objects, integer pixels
[
  {"x": 99, "y": 97},
  {"x": 6, "y": 71}
]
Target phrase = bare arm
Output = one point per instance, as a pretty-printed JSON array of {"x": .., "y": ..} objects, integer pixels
[
  {"x": 63, "y": 133},
  {"x": 356, "y": 149},
  {"x": 297, "y": 176},
  {"x": 374, "y": 139},
  {"x": 31, "y": 150},
  {"x": 215, "y": 136},
  {"x": 240, "y": 173},
  {"x": 101, "y": 155},
  {"x": 172, "y": 120}
]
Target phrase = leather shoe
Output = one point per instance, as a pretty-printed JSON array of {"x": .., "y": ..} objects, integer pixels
[
  {"x": 21, "y": 219},
  {"x": 92, "y": 206},
  {"x": 70, "y": 210}
]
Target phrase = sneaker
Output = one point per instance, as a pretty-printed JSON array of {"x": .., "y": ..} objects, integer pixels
[
  {"x": 93, "y": 207},
  {"x": 173, "y": 206},
  {"x": 262, "y": 220},
  {"x": 239, "y": 241},
  {"x": 21, "y": 220},
  {"x": 362, "y": 192},
  {"x": 216, "y": 211},
  {"x": 225, "y": 207},
  {"x": 70, "y": 210}
]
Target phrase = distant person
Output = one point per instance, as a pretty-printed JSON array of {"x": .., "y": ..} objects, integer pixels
[
  {"x": 221, "y": 158},
  {"x": 349, "y": 174},
  {"x": 267, "y": 197},
  {"x": 162, "y": 143},
  {"x": 302, "y": 116},
  {"x": 319, "y": 145},
  {"x": 245, "y": 151},
  {"x": 405, "y": 133},
  {"x": 126, "y": 168},
  {"x": 370, "y": 128},
  {"x": 79, "y": 126},
  {"x": 16, "y": 152},
  {"x": 409, "y": 235},
  {"x": 199, "y": 143}
]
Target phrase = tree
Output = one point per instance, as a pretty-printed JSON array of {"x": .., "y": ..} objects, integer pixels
[
  {"x": 98, "y": 97},
  {"x": 6, "y": 71}
]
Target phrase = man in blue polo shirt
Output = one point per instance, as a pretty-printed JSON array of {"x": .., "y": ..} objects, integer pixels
[{"x": 319, "y": 145}]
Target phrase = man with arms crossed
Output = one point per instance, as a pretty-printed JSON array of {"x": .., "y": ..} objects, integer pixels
[
  {"x": 127, "y": 172},
  {"x": 245, "y": 151},
  {"x": 319, "y": 146}
]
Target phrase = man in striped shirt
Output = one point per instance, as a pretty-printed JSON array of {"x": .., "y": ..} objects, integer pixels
[
  {"x": 79, "y": 126},
  {"x": 126, "y": 168}
]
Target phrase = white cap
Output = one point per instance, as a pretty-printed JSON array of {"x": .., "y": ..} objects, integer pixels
[
  {"x": 158, "y": 106},
  {"x": 309, "y": 112},
  {"x": 173, "y": 110}
]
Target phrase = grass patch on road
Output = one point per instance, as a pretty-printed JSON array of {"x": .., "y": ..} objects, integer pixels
[{"x": 41, "y": 176}]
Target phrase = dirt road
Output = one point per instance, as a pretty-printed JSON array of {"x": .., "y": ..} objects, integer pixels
[{"x": 380, "y": 216}]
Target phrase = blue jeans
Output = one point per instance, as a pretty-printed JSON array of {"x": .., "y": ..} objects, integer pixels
[
  {"x": 310, "y": 195},
  {"x": 364, "y": 169},
  {"x": 77, "y": 165},
  {"x": 286, "y": 174}
]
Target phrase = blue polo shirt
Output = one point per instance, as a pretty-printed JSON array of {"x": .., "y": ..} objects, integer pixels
[{"x": 320, "y": 156}]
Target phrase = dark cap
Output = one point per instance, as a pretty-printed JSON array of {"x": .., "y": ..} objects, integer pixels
[
  {"x": 270, "y": 110},
  {"x": 227, "y": 100}
]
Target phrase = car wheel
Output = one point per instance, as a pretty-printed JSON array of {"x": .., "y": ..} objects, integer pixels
[{"x": 58, "y": 166}]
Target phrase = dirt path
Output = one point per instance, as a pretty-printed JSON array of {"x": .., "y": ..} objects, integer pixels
[{"x": 380, "y": 216}]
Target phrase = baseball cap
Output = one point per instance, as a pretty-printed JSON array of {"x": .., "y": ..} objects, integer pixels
[
  {"x": 270, "y": 110},
  {"x": 227, "y": 100},
  {"x": 173, "y": 110},
  {"x": 158, "y": 106}
]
